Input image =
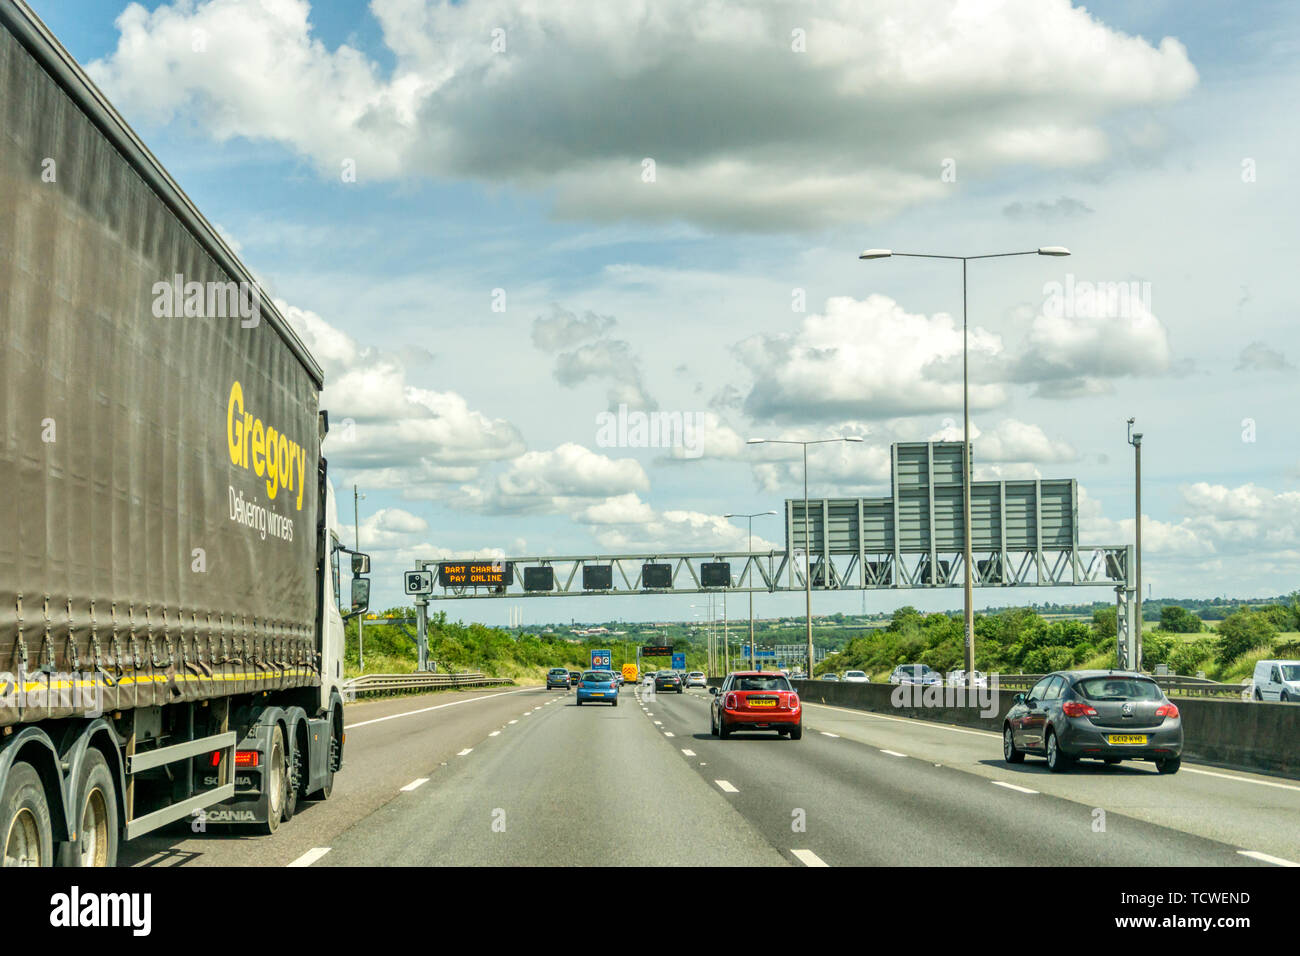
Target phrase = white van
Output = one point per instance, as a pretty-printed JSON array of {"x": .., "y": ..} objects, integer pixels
[{"x": 1277, "y": 680}]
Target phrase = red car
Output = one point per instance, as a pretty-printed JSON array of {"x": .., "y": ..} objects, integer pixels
[{"x": 755, "y": 700}]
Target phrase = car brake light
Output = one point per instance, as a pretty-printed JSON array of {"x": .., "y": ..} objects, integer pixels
[
  {"x": 1075, "y": 708},
  {"x": 793, "y": 701},
  {"x": 1167, "y": 710},
  {"x": 245, "y": 758},
  {"x": 731, "y": 702}
]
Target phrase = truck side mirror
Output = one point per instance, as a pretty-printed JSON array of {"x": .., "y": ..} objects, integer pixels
[
  {"x": 360, "y": 594},
  {"x": 360, "y": 563}
]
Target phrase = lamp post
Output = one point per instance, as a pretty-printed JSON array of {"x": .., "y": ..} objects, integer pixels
[
  {"x": 807, "y": 526},
  {"x": 750, "y": 518},
  {"x": 969, "y": 584},
  {"x": 1135, "y": 439}
]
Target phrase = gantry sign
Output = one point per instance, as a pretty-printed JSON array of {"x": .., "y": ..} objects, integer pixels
[{"x": 1024, "y": 533}]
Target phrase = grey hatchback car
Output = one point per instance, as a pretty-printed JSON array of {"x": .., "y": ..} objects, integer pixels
[{"x": 1104, "y": 715}]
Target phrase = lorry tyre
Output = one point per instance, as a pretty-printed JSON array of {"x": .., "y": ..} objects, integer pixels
[
  {"x": 275, "y": 780},
  {"x": 297, "y": 770},
  {"x": 25, "y": 819},
  {"x": 96, "y": 821},
  {"x": 331, "y": 761}
]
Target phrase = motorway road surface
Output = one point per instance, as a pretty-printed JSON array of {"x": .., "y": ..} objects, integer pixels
[{"x": 525, "y": 777}]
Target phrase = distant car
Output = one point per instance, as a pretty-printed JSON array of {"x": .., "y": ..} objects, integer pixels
[
  {"x": 1103, "y": 715},
  {"x": 856, "y": 677},
  {"x": 696, "y": 679},
  {"x": 914, "y": 674},
  {"x": 557, "y": 677},
  {"x": 957, "y": 678},
  {"x": 618, "y": 676},
  {"x": 1277, "y": 680},
  {"x": 668, "y": 680},
  {"x": 574, "y": 677},
  {"x": 601, "y": 686},
  {"x": 830, "y": 675},
  {"x": 754, "y": 700}
]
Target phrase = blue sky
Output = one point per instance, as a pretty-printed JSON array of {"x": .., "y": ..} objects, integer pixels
[{"x": 1154, "y": 140}]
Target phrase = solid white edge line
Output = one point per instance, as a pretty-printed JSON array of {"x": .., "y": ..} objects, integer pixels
[
  {"x": 311, "y": 856},
  {"x": 827, "y": 733},
  {"x": 494, "y": 733},
  {"x": 726, "y": 787},
  {"x": 809, "y": 858},
  {"x": 425, "y": 710},
  {"x": 893, "y": 753},
  {"x": 1265, "y": 858},
  {"x": 1012, "y": 786},
  {"x": 417, "y": 782},
  {"x": 669, "y": 733}
]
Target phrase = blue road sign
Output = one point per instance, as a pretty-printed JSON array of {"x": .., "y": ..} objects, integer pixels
[
  {"x": 600, "y": 660},
  {"x": 679, "y": 662}
]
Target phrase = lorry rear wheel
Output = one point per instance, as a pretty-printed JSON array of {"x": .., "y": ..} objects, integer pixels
[
  {"x": 96, "y": 803},
  {"x": 331, "y": 761},
  {"x": 294, "y": 783},
  {"x": 25, "y": 819},
  {"x": 275, "y": 780}
]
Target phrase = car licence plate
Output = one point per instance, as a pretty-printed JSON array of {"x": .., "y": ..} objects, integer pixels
[
  {"x": 762, "y": 703},
  {"x": 1116, "y": 740},
  {"x": 598, "y": 693}
]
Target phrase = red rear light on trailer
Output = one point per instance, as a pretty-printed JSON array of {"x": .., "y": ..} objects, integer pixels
[
  {"x": 1077, "y": 708},
  {"x": 1167, "y": 710},
  {"x": 216, "y": 759},
  {"x": 245, "y": 758}
]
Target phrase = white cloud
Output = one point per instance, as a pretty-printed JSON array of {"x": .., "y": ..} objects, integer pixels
[
  {"x": 564, "y": 479},
  {"x": 747, "y": 129}
]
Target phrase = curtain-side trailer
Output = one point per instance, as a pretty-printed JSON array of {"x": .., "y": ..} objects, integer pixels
[{"x": 171, "y": 623}]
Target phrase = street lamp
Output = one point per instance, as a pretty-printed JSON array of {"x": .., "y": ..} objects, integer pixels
[
  {"x": 750, "y": 518},
  {"x": 1135, "y": 639},
  {"x": 807, "y": 527},
  {"x": 965, "y": 433}
]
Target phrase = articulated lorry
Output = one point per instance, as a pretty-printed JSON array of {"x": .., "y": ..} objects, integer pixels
[{"x": 171, "y": 616}]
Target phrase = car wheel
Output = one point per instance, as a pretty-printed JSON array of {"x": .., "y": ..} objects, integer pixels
[
  {"x": 796, "y": 732},
  {"x": 579, "y": 701},
  {"x": 713, "y": 724},
  {"x": 1169, "y": 764},
  {"x": 614, "y": 701},
  {"x": 1285, "y": 698},
  {"x": 1110, "y": 760},
  {"x": 1258, "y": 696},
  {"x": 1009, "y": 751},
  {"x": 1057, "y": 762},
  {"x": 723, "y": 731}
]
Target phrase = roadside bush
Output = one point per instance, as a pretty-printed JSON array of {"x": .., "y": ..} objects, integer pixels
[{"x": 1241, "y": 631}]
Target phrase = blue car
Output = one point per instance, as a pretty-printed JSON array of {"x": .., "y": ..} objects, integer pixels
[{"x": 598, "y": 686}]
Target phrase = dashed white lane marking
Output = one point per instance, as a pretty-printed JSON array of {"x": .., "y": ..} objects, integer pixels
[
  {"x": 669, "y": 733},
  {"x": 311, "y": 856},
  {"x": 1228, "y": 776},
  {"x": 425, "y": 710},
  {"x": 689, "y": 753},
  {"x": 494, "y": 733},
  {"x": 464, "y": 752},
  {"x": 724, "y": 785},
  {"x": 893, "y": 753},
  {"x": 1012, "y": 786},
  {"x": 826, "y": 733},
  {"x": 417, "y": 782},
  {"x": 512, "y": 722},
  {"x": 659, "y": 723},
  {"x": 809, "y": 858},
  {"x": 1265, "y": 858}
]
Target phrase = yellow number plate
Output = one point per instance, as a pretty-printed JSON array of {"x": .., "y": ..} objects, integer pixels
[
  {"x": 1118, "y": 739},
  {"x": 762, "y": 703}
]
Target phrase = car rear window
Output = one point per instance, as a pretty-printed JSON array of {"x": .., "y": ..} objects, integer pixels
[
  {"x": 598, "y": 676},
  {"x": 1119, "y": 688},
  {"x": 558, "y": 670},
  {"x": 765, "y": 682}
]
